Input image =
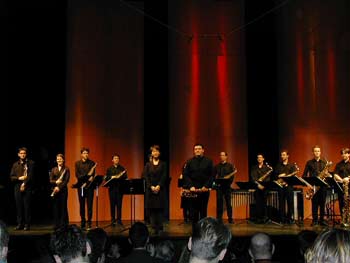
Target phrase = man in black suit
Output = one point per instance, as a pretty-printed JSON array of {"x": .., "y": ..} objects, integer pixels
[{"x": 22, "y": 176}]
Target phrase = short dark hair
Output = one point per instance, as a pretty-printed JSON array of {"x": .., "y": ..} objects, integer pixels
[
  {"x": 60, "y": 155},
  {"x": 284, "y": 151},
  {"x": 115, "y": 155},
  {"x": 68, "y": 243},
  {"x": 345, "y": 150},
  {"x": 224, "y": 153},
  {"x": 198, "y": 144},
  {"x": 155, "y": 147},
  {"x": 4, "y": 235},
  {"x": 84, "y": 149},
  {"x": 22, "y": 149},
  {"x": 138, "y": 234},
  {"x": 316, "y": 146},
  {"x": 209, "y": 238},
  {"x": 98, "y": 238}
]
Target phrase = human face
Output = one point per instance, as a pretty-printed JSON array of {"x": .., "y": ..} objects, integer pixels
[
  {"x": 345, "y": 156},
  {"x": 155, "y": 153},
  {"x": 22, "y": 155},
  {"x": 198, "y": 150},
  {"x": 223, "y": 157},
  {"x": 115, "y": 160},
  {"x": 284, "y": 156},
  {"x": 59, "y": 160},
  {"x": 317, "y": 152},
  {"x": 84, "y": 155},
  {"x": 260, "y": 159}
]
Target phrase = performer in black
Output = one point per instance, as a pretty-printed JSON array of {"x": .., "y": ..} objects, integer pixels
[
  {"x": 285, "y": 191},
  {"x": 341, "y": 174},
  {"x": 198, "y": 178},
  {"x": 313, "y": 168},
  {"x": 85, "y": 172},
  {"x": 260, "y": 173},
  {"x": 59, "y": 178},
  {"x": 185, "y": 201},
  {"x": 155, "y": 174},
  {"x": 224, "y": 171},
  {"x": 22, "y": 176},
  {"x": 115, "y": 174}
]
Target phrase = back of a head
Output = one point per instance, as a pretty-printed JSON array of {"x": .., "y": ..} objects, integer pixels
[
  {"x": 4, "y": 240},
  {"x": 165, "y": 250},
  {"x": 138, "y": 235},
  {"x": 331, "y": 246},
  {"x": 261, "y": 246},
  {"x": 209, "y": 238},
  {"x": 306, "y": 238},
  {"x": 98, "y": 238},
  {"x": 68, "y": 243}
]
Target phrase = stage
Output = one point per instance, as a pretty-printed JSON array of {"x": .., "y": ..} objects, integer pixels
[{"x": 283, "y": 236}]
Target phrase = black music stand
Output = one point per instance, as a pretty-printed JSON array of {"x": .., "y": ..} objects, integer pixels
[
  {"x": 248, "y": 186},
  {"x": 98, "y": 179},
  {"x": 297, "y": 181},
  {"x": 335, "y": 188},
  {"x": 133, "y": 187}
]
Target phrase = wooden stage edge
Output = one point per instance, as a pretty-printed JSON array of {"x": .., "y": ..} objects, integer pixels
[{"x": 178, "y": 229}]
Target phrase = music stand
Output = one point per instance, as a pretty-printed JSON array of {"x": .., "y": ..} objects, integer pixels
[
  {"x": 335, "y": 187},
  {"x": 133, "y": 187},
  {"x": 297, "y": 181},
  {"x": 249, "y": 187},
  {"x": 98, "y": 179}
]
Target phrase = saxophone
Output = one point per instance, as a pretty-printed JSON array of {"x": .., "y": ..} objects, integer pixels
[
  {"x": 58, "y": 182},
  {"x": 346, "y": 209},
  {"x": 262, "y": 178},
  {"x": 281, "y": 183},
  {"x": 323, "y": 175}
]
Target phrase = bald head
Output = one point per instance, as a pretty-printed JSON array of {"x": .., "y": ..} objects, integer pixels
[{"x": 261, "y": 246}]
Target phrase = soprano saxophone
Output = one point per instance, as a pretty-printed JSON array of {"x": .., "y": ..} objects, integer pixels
[{"x": 58, "y": 182}]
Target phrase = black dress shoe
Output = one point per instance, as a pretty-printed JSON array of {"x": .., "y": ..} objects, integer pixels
[
  {"x": 19, "y": 227},
  {"x": 314, "y": 223},
  {"x": 88, "y": 225},
  {"x": 323, "y": 223},
  {"x": 26, "y": 228},
  {"x": 230, "y": 220}
]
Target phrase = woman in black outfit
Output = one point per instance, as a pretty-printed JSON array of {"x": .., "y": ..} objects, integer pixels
[{"x": 155, "y": 174}]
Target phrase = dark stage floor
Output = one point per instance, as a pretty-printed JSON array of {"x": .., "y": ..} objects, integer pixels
[
  {"x": 179, "y": 229},
  {"x": 283, "y": 236}
]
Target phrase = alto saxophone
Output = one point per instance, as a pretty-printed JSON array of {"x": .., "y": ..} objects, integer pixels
[{"x": 346, "y": 209}]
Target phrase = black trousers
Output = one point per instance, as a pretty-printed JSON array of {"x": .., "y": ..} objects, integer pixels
[
  {"x": 60, "y": 211},
  {"x": 318, "y": 203},
  {"x": 199, "y": 207},
  {"x": 86, "y": 196},
  {"x": 221, "y": 195},
  {"x": 156, "y": 218},
  {"x": 285, "y": 200},
  {"x": 115, "y": 199},
  {"x": 23, "y": 205},
  {"x": 260, "y": 202}
]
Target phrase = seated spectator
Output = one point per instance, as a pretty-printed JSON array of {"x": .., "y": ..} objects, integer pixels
[
  {"x": 4, "y": 241},
  {"x": 306, "y": 238},
  {"x": 209, "y": 241},
  {"x": 69, "y": 245},
  {"x": 163, "y": 250},
  {"x": 331, "y": 246},
  {"x": 139, "y": 238},
  {"x": 261, "y": 248},
  {"x": 98, "y": 238},
  {"x": 113, "y": 253}
]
